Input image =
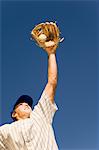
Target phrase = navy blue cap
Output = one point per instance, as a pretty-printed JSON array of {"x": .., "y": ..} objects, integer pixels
[{"x": 24, "y": 98}]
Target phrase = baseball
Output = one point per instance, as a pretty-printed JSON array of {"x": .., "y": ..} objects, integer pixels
[{"x": 42, "y": 37}]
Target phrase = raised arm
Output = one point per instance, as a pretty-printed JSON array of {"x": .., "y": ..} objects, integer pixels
[
  {"x": 52, "y": 76},
  {"x": 47, "y": 36}
]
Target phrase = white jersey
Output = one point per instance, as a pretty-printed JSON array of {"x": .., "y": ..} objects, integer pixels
[{"x": 34, "y": 133}]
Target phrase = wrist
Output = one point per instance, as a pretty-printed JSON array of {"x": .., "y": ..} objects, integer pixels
[
  {"x": 52, "y": 53},
  {"x": 51, "y": 50},
  {"x": 51, "y": 56}
]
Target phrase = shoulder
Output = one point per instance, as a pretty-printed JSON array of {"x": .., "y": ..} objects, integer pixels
[
  {"x": 5, "y": 126},
  {"x": 4, "y": 129},
  {"x": 8, "y": 126}
]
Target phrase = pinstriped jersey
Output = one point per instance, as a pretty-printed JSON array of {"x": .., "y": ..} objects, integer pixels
[{"x": 34, "y": 133}]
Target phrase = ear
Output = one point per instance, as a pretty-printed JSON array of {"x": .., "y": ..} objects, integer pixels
[{"x": 14, "y": 114}]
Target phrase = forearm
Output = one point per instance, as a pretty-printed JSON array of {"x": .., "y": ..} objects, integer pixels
[{"x": 52, "y": 70}]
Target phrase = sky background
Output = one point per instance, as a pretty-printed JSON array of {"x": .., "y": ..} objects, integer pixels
[{"x": 24, "y": 66}]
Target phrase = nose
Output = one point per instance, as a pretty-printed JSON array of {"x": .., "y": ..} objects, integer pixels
[{"x": 27, "y": 105}]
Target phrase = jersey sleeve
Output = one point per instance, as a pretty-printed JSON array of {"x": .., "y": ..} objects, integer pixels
[
  {"x": 2, "y": 146},
  {"x": 46, "y": 108},
  {"x": 3, "y": 136}
]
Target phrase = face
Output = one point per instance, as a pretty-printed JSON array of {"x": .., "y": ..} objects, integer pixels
[{"x": 22, "y": 111}]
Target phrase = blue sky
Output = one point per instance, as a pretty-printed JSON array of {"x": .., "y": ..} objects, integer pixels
[{"x": 24, "y": 66}]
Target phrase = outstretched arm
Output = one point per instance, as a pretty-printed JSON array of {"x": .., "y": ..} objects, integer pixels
[
  {"x": 52, "y": 76},
  {"x": 47, "y": 35}
]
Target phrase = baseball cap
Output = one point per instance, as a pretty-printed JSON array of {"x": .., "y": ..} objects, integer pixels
[{"x": 24, "y": 98}]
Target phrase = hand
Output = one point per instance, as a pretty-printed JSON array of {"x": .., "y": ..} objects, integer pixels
[{"x": 51, "y": 49}]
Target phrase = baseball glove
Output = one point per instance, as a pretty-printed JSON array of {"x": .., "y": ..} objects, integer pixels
[{"x": 47, "y": 35}]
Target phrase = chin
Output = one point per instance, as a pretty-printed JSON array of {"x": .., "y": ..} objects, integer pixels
[{"x": 26, "y": 116}]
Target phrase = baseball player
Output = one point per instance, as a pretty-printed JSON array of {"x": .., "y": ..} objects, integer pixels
[{"x": 32, "y": 129}]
